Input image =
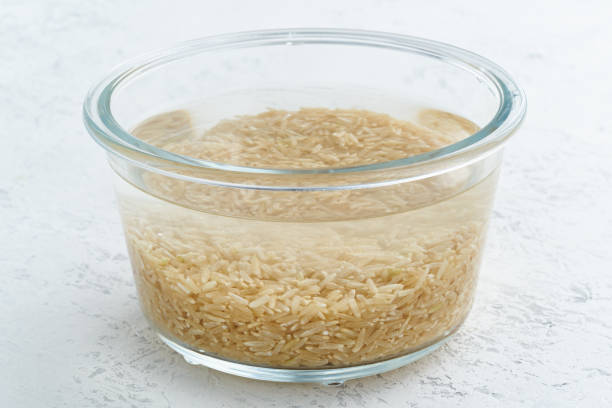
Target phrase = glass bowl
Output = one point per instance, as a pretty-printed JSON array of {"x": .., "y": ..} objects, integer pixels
[{"x": 301, "y": 273}]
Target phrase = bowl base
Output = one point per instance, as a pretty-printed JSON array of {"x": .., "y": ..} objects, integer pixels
[{"x": 325, "y": 376}]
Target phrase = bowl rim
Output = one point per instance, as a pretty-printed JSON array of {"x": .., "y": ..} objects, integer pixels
[{"x": 107, "y": 132}]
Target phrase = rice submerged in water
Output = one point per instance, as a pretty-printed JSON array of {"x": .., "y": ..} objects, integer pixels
[{"x": 287, "y": 293}]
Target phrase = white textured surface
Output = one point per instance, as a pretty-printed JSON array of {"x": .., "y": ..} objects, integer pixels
[{"x": 71, "y": 333}]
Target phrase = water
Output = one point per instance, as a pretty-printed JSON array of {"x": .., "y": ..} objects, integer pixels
[{"x": 312, "y": 279}]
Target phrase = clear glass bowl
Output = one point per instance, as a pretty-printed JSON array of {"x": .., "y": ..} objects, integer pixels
[{"x": 305, "y": 274}]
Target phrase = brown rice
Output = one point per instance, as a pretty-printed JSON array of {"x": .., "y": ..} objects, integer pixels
[{"x": 381, "y": 282}]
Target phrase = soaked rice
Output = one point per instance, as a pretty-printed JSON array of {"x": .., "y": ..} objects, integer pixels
[{"x": 270, "y": 289}]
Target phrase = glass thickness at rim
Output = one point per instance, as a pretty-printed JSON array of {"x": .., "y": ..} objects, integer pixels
[{"x": 105, "y": 130}]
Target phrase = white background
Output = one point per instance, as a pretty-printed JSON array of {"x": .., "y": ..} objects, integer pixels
[{"x": 71, "y": 333}]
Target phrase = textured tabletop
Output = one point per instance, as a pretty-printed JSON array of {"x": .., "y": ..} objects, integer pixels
[{"x": 540, "y": 333}]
